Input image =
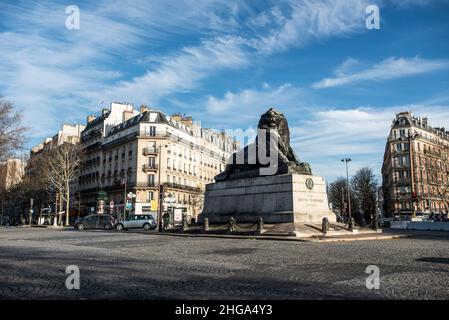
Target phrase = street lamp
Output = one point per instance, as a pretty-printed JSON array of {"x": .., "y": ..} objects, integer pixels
[{"x": 346, "y": 160}]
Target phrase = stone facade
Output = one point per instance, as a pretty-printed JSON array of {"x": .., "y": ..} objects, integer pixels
[
  {"x": 288, "y": 198},
  {"x": 146, "y": 148},
  {"x": 415, "y": 167},
  {"x": 11, "y": 173}
]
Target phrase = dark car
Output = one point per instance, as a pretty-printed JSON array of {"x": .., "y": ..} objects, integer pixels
[
  {"x": 95, "y": 221},
  {"x": 145, "y": 221}
]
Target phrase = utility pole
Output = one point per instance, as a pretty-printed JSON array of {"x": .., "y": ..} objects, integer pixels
[
  {"x": 31, "y": 210},
  {"x": 125, "y": 202},
  {"x": 347, "y": 160},
  {"x": 79, "y": 203}
]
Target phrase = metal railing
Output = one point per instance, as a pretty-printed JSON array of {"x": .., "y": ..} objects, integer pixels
[
  {"x": 149, "y": 167},
  {"x": 147, "y": 151}
]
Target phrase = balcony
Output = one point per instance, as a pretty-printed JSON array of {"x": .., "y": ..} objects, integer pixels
[
  {"x": 149, "y": 167},
  {"x": 145, "y": 185},
  {"x": 149, "y": 151},
  {"x": 182, "y": 187},
  {"x": 403, "y": 182}
]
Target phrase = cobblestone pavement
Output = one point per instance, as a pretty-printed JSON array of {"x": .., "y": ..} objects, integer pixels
[{"x": 147, "y": 266}]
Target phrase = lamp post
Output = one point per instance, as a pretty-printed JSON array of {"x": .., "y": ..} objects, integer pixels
[
  {"x": 347, "y": 160},
  {"x": 125, "y": 196}
]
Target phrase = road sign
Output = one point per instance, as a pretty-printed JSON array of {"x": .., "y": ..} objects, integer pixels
[
  {"x": 102, "y": 195},
  {"x": 170, "y": 198}
]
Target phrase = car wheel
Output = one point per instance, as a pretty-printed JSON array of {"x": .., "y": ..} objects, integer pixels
[
  {"x": 119, "y": 227},
  {"x": 147, "y": 226},
  {"x": 81, "y": 227},
  {"x": 107, "y": 226}
]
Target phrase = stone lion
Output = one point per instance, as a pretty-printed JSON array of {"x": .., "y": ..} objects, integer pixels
[{"x": 246, "y": 162}]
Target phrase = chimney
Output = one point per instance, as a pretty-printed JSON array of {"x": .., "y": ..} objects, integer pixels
[
  {"x": 176, "y": 117},
  {"x": 187, "y": 121},
  {"x": 127, "y": 114},
  {"x": 144, "y": 108},
  {"x": 90, "y": 119}
]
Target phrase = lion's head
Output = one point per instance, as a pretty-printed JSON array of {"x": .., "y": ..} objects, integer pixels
[{"x": 275, "y": 120}]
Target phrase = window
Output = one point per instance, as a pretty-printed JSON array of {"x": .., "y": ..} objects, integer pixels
[
  {"x": 151, "y": 180},
  {"x": 151, "y": 131}
]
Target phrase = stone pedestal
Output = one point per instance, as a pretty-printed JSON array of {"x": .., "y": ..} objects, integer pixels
[{"x": 288, "y": 198}]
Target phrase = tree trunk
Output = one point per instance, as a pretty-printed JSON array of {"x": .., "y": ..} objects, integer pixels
[
  {"x": 67, "y": 207},
  {"x": 60, "y": 209},
  {"x": 55, "y": 221}
]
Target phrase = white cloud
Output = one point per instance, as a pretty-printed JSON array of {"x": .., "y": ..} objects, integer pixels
[
  {"x": 243, "y": 108},
  {"x": 303, "y": 21},
  {"x": 300, "y": 22},
  {"x": 390, "y": 68},
  {"x": 182, "y": 71}
]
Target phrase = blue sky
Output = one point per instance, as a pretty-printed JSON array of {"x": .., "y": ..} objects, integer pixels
[{"x": 225, "y": 62}]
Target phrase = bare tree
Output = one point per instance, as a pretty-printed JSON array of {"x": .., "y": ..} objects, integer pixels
[
  {"x": 12, "y": 133},
  {"x": 364, "y": 184},
  {"x": 338, "y": 197},
  {"x": 63, "y": 168},
  {"x": 196, "y": 200},
  {"x": 34, "y": 183},
  {"x": 436, "y": 164}
]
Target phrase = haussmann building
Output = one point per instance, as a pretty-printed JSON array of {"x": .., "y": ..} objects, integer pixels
[
  {"x": 131, "y": 152},
  {"x": 415, "y": 167}
]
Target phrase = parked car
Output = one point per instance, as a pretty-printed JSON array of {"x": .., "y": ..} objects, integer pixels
[
  {"x": 145, "y": 221},
  {"x": 96, "y": 221},
  {"x": 385, "y": 222}
]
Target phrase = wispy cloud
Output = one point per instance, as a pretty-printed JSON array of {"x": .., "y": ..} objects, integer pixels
[
  {"x": 250, "y": 102},
  {"x": 300, "y": 22},
  {"x": 390, "y": 68}
]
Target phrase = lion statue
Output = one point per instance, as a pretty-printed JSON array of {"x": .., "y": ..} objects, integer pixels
[{"x": 273, "y": 144}]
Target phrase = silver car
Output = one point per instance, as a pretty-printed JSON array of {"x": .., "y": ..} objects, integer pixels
[{"x": 145, "y": 221}]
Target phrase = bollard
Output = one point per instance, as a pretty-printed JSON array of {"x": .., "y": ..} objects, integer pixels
[
  {"x": 325, "y": 226},
  {"x": 185, "y": 224},
  {"x": 375, "y": 222},
  {"x": 206, "y": 224},
  {"x": 231, "y": 224},
  {"x": 351, "y": 224},
  {"x": 260, "y": 225}
]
